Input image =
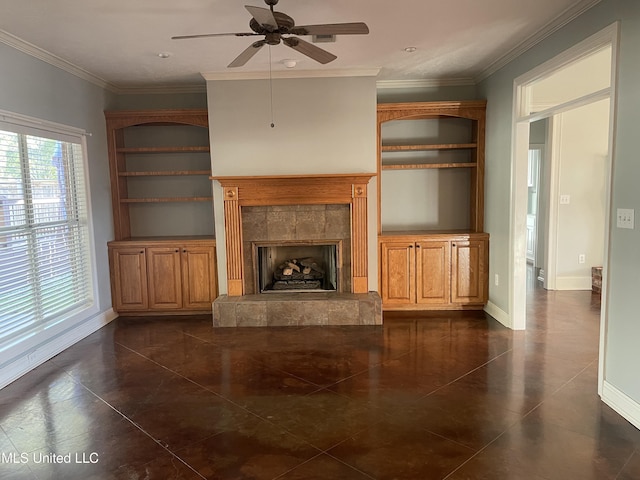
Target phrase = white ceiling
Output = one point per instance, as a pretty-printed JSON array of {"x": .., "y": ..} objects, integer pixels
[{"x": 116, "y": 42}]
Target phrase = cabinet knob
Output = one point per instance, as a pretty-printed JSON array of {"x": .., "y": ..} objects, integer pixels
[
  {"x": 410, "y": 246},
  {"x": 184, "y": 251},
  {"x": 177, "y": 250},
  {"x": 417, "y": 246},
  {"x": 141, "y": 251}
]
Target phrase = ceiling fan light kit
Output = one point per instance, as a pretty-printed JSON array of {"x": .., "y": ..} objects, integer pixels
[{"x": 277, "y": 27}]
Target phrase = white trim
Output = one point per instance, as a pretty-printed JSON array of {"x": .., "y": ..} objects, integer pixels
[
  {"x": 624, "y": 405},
  {"x": 426, "y": 83},
  {"x": 549, "y": 29},
  {"x": 567, "y": 106},
  {"x": 51, "y": 59},
  {"x": 553, "y": 207},
  {"x": 606, "y": 36},
  {"x": 39, "y": 124},
  {"x": 518, "y": 223},
  {"x": 613, "y": 101},
  {"x": 499, "y": 314},
  {"x": 161, "y": 89},
  {"x": 583, "y": 49},
  {"x": 360, "y": 72},
  {"x": 30, "y": 360}
]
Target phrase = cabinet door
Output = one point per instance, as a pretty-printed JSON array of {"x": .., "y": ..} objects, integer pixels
[
  {"x": 129, "y": 279},
  {"x": 398, "y": 270},
  {"x": 468, "y": 266},
  {"x": 433, "y": 277},
  {"x": 165, "y": 285},
  {"x": 198, "y": 277}
]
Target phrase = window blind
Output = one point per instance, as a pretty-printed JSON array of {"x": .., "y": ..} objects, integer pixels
[{"x": 45, "y": 262}]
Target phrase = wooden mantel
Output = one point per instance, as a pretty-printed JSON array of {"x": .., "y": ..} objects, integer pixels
[{"x": 320, "y": 189}]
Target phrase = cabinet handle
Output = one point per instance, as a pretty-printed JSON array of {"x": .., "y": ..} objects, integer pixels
[
  {"x": 453, "y": 244},
  {"x": 184, "y": 251},
  {"x": 417, "y": 246},
  {"x": 410, "y": 246},
  {"x": 177, "y": 250},
  {"x": 141, "y": 251}
]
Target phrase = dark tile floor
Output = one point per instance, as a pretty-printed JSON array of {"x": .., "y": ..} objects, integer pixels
[{"x": 453, "y": 396}]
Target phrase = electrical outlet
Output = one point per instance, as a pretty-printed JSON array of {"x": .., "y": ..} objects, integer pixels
[
  {"x": 496, "y": 279},
  {"x": 625, "y": 218},
  {"x": 31, "y": 358},
  {"x": 565, "y": 199},
  {"x": 582, "y": 258}
]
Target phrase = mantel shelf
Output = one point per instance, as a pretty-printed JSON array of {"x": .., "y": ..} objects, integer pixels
[
  {"x": 190, "y": 149},
  {"x": 162, "y": 173},
  {"x": 166, "y": 199},
  {"x": 420, "y": 166},
  {"x": 443, "y": 146}
]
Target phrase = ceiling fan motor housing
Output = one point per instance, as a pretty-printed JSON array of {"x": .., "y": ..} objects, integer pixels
[{"x": 285, "y": 23}]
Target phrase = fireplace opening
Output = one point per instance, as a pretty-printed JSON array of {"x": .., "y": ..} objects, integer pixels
[{"x": 298, "y": 266}]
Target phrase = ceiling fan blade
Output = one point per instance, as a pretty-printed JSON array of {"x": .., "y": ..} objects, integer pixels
[
  {"x": 264, "y": 17},
  {"x": 356, "y": 28},
  {"x": 237, "y": 34},
  {"x": 246, "y": 55},
  {"x": 310, "y": 50}
]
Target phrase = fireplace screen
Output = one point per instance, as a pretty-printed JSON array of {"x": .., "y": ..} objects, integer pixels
[{"x": 296, "y": 267}]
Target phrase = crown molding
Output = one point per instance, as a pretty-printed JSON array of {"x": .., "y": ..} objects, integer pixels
[
  {"x": 350, "y": 72},
  {"x": 51, "y": 59},
  {"x": 160, "y": 89},
  {"x": 425, "y": 83},
  {"x": 549, "y": 29}
]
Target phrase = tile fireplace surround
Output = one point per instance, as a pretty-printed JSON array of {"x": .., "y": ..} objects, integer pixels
[{"x": 296, "y": 209}]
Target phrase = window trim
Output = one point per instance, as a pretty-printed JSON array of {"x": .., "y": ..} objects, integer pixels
[{"x": 25, "y": 346}]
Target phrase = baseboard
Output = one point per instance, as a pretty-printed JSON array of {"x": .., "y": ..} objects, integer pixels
[
  {"x": 573, "y": 283},
  {"x": 628, "y": 408},
  {"x": 500, "y": 315},
  {"x": 33, "y": 358}
]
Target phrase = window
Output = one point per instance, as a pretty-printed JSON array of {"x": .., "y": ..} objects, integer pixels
[{"x": 45, "y": 263}]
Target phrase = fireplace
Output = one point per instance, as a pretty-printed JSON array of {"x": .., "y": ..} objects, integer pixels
[
  {"x": 271, "y": 221},
  {"x": 311, "y": 266}
]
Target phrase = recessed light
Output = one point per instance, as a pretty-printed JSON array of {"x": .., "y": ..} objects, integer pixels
[
  {"x": 164, "y": 54},
  {"x": 410, "y": 49}
]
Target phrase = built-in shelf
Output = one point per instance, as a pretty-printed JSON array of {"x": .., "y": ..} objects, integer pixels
[
  {"x": 167, "y": 173},
  {"x": 166, "y": 199},
  {"x": 413, "y": 148},
  {"x": 421, "y": 166},
  {"x": 189, "y": 149}
]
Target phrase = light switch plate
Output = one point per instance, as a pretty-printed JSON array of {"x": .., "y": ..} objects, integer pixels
[{"x": 625, "y": 218}]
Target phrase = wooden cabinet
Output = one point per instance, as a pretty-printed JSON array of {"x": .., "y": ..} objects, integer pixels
[
  {"x": 433, "y": 252},
  {"x": 129, "y": 268},
  {"x": 160, "y": 166},
  {"x": 433, "y": 271},
  {"x": 163, "y": 256},
  {"x": 163, "y": 276}
]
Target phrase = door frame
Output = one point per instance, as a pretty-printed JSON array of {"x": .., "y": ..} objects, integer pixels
[{"x": 519, "y": 161}]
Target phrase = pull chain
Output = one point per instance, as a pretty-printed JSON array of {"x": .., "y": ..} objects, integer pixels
[{"x": 271, "y": 88}]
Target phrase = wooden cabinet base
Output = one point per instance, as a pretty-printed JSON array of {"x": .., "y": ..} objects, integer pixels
[
  {"x": 163, "y": 276},
  {"x": 419, "y": 307},
  {"x": 434, "y": 271}
]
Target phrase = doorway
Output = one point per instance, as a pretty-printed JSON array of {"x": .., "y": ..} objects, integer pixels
[{"x": 550, "y": 92}]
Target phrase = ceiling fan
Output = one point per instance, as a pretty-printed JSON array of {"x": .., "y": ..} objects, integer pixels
[{"x": 277, "y": 27}]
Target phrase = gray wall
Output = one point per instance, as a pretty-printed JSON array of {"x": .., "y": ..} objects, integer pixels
[
  {"x": 623, "y": 328},
  {"x": 31, "y": 87}
]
